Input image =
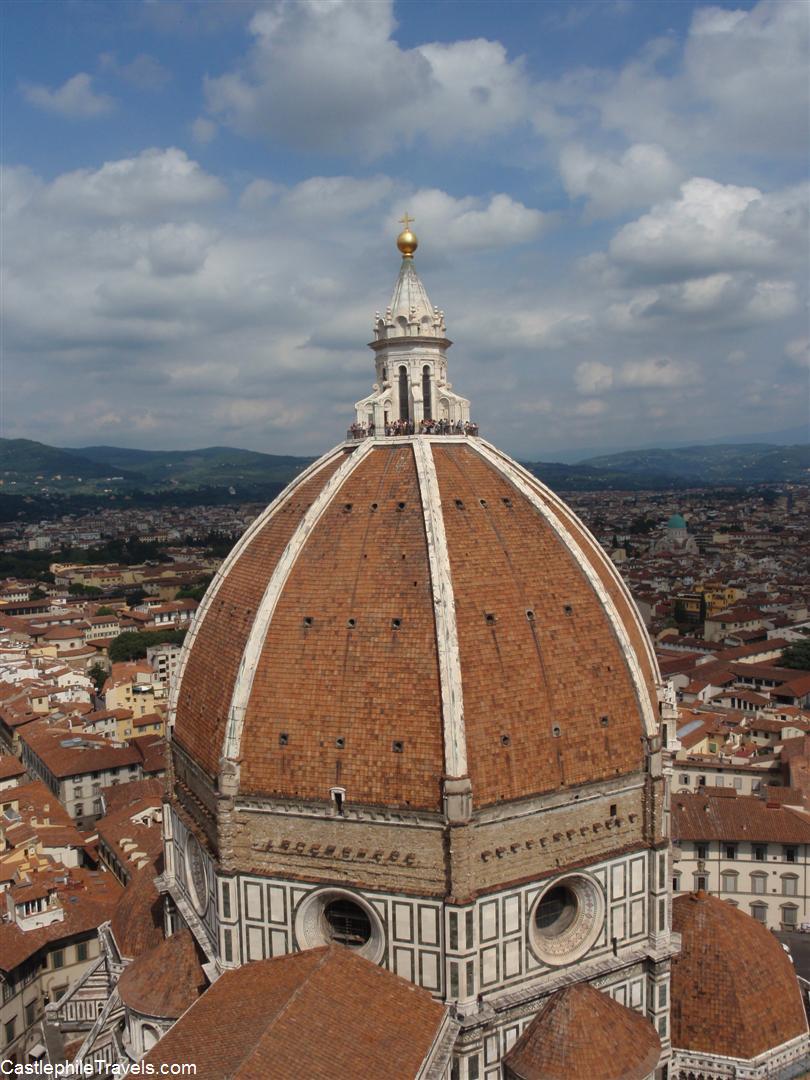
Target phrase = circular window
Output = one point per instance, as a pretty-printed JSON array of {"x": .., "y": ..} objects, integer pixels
[
  {"x": 196, "y": 874},
  {"x": 342, "y": 917},
  {"x": 347, "y": 923},
  {"x": 566, "y": 919}
]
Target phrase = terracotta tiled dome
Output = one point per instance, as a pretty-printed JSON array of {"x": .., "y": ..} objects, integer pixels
[
  {"x": 137, "y": 922},
  {"x": 411, "y": 609},
  {"x": 580, "y": 1032},
  {"x": 734, "y": 990},
  {"x": 166, "y": 980}
]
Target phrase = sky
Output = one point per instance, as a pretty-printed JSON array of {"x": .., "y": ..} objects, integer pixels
[{"x": 200, "y": 204}]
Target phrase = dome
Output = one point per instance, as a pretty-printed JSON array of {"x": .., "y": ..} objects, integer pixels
[
  {"x": 676, "y": 522},
  {"x": 730, "y": 968},
  {"x": 579, "y": 1032},
  {"x": 410, "y": 610},
  {"x": 166, "y": 980}
]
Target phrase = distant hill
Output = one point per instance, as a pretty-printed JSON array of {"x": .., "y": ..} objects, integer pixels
[
  {"x": 28, "y": 468},
  {"x": 32, "y": 470},
  {"x": 741, "y": 464}
]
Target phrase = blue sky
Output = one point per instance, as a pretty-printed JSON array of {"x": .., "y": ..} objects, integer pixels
[{"x": 200, "y": 203}]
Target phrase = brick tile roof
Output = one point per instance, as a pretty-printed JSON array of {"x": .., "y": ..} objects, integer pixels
[
  {"x": 95, "y": 753},
  {"x": 580, "y": 1032},
  {"x": 363, "y": 675},
  {"x": 166, "y": 980},
  {"x": 318, "y": 1014},
  {"x": 734, "y": 990},
  {"x": 744, "y": 817},
  {"x": 137, "y": 922}
]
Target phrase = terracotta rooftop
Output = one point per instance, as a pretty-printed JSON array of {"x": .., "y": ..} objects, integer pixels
[
  {"x": 166, "y": 980},
  {"x": 580, "y": 1032},
  {"x": 317, "y": 1014},
  {"x": 91, "y": 753},
  {"x": 10, "y": 767},
  {"x": 744, "y": 817},
  {"x": 526, "y": 613},
  {"x": 137, "y": 922},
  {"x": 734, "y": 990}
]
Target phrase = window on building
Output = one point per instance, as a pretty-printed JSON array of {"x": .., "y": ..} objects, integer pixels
[
  {"x": 758, "y": 883},
  {"x": 78, "y": 810},
  {"x": 728, "y": 881},
  {"x": 790, "y": 854},
  {"x": 790, "y": 885},
  {"x": 10, "y": 1026},
  {"x": 730, "y": 851},
  {"x": 30, "y": 1013},
  {"x": 347, "y": 923},
  {"x": 403, "y": 393},
  {"x": 701, "y": 781},
  {"x": 760, "y": 852},
  {"x": 738, "y": 782},
  {"x": 701, "y": 882},
  {"x": 701, "y": 851},
  {"x": 81, "y": 951},
  {"x": 789, "y": 917},
  {"x": 58, "y": 958},
  {"x": 759, "y": 912},
  {"x": 676, "y": 882},
  {"x": 684, "y": 778}
]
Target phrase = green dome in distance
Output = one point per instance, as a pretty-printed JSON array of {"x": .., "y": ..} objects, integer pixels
[{"x": 676, "y": 522}]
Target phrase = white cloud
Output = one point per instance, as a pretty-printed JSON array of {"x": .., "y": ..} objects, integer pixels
[
  {"x": 156, "y": 182},
  {"x": 589, "y": 407},
  {"x": 658, "y": 373},
  {"x": 470, "y": 223},
  {"x": 591, "y": 377},
  {"x": 331, "y": 76},
  {"x": 203, "y": 130},
  {"x": 712, "y": 227},
  {"x": 144, "y": 71},
  {"x": 798, "y": 352},
  {"x": 643, "y": 174},
  {"x": 259, "y": 192},
  {"x": 75, "y": 99}
]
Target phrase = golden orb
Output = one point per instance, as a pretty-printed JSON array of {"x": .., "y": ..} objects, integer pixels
[{"x": 407, "y": 243}]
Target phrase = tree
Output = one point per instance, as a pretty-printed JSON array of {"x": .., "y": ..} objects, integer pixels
[
  {"x": 132, "y": 644},
  {"x": 797, "y": 656},
  {"x": 104, "y": 610},
  {"x": 37, "y": 594},
  {"x": 98, "y": 673},
  {"x": 77, "y": 589}
]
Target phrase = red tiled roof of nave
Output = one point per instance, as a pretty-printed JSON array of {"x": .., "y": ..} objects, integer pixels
[{"x": 317, "y": 1014}]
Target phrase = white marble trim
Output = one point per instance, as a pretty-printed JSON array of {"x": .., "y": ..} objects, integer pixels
[
  {"x": 264, "y": 613},
  {"x": 235, "y": 552},
  {"x": 444, "y": 610},
  {"x": 513, "y": 473}
]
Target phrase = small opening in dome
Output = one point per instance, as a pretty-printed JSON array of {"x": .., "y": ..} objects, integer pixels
[
  {"x": 308, "y": 620},
  {"x": 459, "y": 504},
  {"x": 397, "y": 746},
  {"x": 347, "y": 508},
  {"x": 483, "y": 502},
  {"x": 505, "y": 740},
  {"x": 338, "y": 796},
  {"x": 283, "y": 739},
  {"x": 506, "y": 502},
  {"x": 400, "y": 506},
  {"x": 556, "y": 730},
  {"x": 613, "y": 809},
  {"x": 373, "y": 506},
  {"x": 396, "y": 623},
  {"x": 340, "y": 742},
  {"x": 347, "y": 923},
  {"x": 604, "y": 720},
  {"x": 530, "y": 615},
  {"x": 568, "y": 609},
  {"x": 351, "y": 623},
  {"x": 490, "y": 618}
]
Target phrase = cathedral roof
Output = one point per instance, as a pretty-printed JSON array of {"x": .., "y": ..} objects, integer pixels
[
  {"x": 734, "y": 990},
  {"x": 166, "y": 980},
  {"x": 579, "y": 1032},
  {"x": 676, "y": 522},
  {"x": 137, "y": 922},
  {"x": 321, "y": 1013},
  {"x": 409, "y": 610}
]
